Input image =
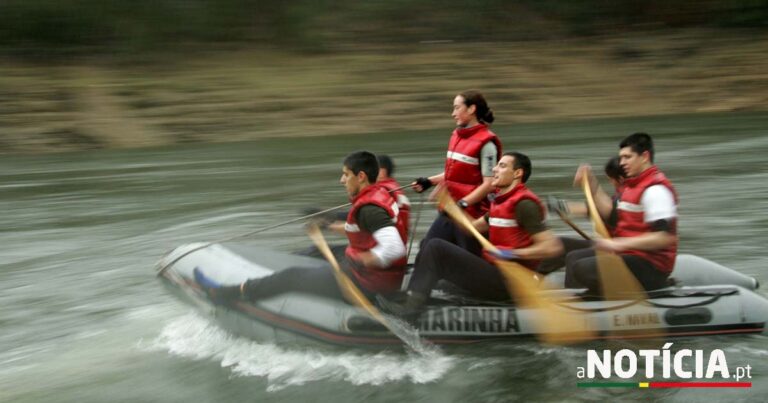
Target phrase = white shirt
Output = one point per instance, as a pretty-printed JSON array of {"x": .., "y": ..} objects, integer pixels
[
  {"x": 658, "y": 203},
  {"x": 390, "y": 246}
]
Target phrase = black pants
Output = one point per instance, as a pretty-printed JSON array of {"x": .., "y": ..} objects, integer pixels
[
  {"x": 569, "y": 245},
  {"x": 581, "y": 271},
  {"x": 339, "y": 252},
  {"x": 442, "y": 260},
  {"x": 311, "y": 280},
  {"x": 444, "y": 228}
]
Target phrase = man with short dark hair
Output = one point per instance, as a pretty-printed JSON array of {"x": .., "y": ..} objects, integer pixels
[
  {"x": 374, "y": 259},
  {"x": 645, "y": 235},
  {"x": 515, "y": 224}
]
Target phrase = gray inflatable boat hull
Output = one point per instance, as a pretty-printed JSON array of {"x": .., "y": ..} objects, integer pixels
[{"x": 709, "y": 300}]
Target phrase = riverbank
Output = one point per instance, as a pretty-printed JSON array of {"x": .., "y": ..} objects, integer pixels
[{"x": 244, "y": 94}]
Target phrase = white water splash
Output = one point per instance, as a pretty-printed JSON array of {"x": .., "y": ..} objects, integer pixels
[{"x": 194, "y": 337}]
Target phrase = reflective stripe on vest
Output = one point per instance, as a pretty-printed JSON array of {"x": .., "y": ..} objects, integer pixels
[
  {"x": 501, "y": 222},
  {"x": 373, "y": 279},
  {"x": 504, "y": 231},
  {"x": 463, "y": 158},
  {"x": 462, "y": 164},
  {"x": 631, "y": 217}
]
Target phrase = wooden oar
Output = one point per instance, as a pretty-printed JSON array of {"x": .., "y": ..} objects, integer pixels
[
  {"x": 524, "y": 285},
  {"x": 616, "y": 280},
  {"x": 356, "y": 297},
  {"x": 573, "y": 225}
]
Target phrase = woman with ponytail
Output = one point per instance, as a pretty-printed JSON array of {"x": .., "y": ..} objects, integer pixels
[{"x": 473, "y": 152}]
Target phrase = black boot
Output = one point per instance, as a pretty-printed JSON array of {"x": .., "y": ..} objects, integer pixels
[{"x": 410, "y": 309}]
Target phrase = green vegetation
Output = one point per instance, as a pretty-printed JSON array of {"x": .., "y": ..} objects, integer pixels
[{"x": 51, "y": 27}]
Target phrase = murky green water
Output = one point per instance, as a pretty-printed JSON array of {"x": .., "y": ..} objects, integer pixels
[{"x": 83, "y": 319}]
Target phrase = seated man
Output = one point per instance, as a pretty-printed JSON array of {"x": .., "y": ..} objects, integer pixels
[
  {"x": 645, "y": 235},
  {"x": 570, "y": 208},
  {"x": 374, "y": 258},
  {"x": 335, "y": 221},
  {"x": 515, "y": 225}
]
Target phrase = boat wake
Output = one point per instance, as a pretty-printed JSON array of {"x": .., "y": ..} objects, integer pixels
[{"x": 193, "y": 336}]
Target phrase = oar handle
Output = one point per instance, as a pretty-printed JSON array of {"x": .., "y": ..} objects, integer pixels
[
  {"x": 597, "y": 222},
  {"x": 457, "y": 213},
  {"x": 350, "y": 290},
  {"x": 573, "y": 225}
]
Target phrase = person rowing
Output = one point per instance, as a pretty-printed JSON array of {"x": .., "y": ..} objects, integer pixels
[
  {"x": 645, "y": 235},
  {"x": 566, "y": 208},
  {"x": 374, "y": 259},
  {"x": 515, "y": 226}
]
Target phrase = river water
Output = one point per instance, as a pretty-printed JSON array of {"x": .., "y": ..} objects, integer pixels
[{"x": 83, "y": 318}]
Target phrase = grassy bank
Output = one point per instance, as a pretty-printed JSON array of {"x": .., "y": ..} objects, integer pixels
[{"x": 241, "y": 94}]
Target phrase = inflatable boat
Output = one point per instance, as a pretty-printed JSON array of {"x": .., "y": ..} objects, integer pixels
[{"x": 707, "y": 299}]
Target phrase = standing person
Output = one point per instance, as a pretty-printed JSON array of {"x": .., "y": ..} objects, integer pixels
[
  {"x": 645, "y": 236},
  {"x": 515, "y": 224},
  {"x": 473, "y": 152},
  {"x": 374, "y": 258},
  {"x": 615, "y": 175}
]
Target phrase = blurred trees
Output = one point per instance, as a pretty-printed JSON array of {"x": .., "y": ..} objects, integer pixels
[{"x": 50, "y": 26}]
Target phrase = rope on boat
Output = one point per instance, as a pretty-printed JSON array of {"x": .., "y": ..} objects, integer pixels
[
  {"x": 161, "y": 270},
  {"x": 414, "y": 227},
  {"x": 714, "y": 297}
]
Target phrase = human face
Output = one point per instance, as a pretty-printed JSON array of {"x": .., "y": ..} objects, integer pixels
[
  {"x": 350, "y": 181},
  {"x": 463, "y": 115},
  {"x": 633, "y": 163},
  {"x": 504, "y": 173}
]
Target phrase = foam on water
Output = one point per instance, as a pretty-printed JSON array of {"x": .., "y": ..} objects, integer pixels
[{"x": 194, "y": 337}]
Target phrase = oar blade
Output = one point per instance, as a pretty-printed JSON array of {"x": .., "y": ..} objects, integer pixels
[
  {"x": 356, "y": 297},
  {"x": 524, "y": 286},
  {"x": 553, "y": 323},
  {"x": 617, "y": 281},
  {"x": 348, "y": 288}
]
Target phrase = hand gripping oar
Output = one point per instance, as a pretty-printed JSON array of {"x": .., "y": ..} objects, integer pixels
[
  {"x": 525, "y": 287},
  {"x": 356, "y": 297},
  {"x": 161, "y": 270}
]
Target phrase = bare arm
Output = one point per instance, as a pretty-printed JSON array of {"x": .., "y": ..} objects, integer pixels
[
  {"x": 603, "y": 201},
  {"x": 545, "y": 245},
  {"x": 480, "y": 193},
  {"x": 481, "y": 225}
]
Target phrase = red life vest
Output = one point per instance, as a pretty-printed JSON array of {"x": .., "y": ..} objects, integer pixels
[
  {"x": 404, "y": 216},
  {"x": 631, "y": 220},
  {"x": 375, "y": 279},
  {"x": 504, "y": 231},
  {"x": 462, "y": 164}
]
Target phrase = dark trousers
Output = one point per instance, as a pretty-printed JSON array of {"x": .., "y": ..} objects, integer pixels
[
  {"x": 581, "y": 271},
  {"x": 442, "y": 260},
  {"x": 444, "y": 228},
  {"x": 311, "y": 280},
  {"x": 569, "y": 245}
]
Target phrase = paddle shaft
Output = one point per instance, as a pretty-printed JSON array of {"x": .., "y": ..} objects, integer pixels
[
  {"x": 573, "y": 225},
  {"x": 205, "y": 245},
  {"x": 457, "y": 213},
  {"x": 597, "y": 222},
  {"x": 350, "y": 290}
]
